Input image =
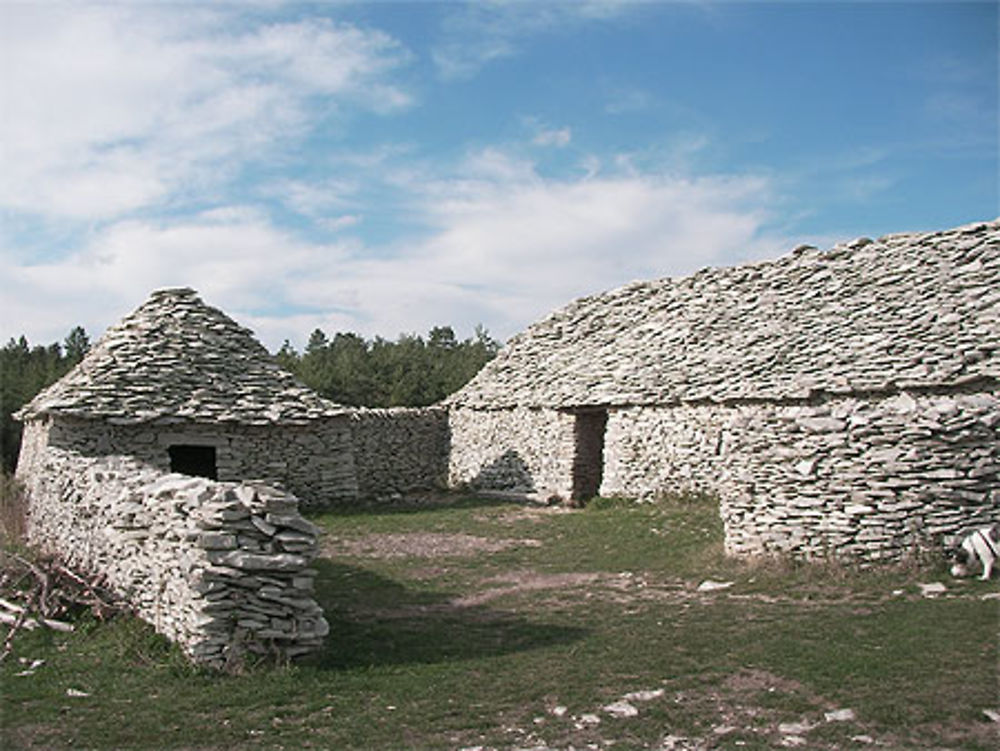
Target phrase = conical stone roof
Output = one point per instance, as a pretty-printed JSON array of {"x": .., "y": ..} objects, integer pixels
[
  {"x": 905, "y": 311},
  {"x": 177, "y": 359}
]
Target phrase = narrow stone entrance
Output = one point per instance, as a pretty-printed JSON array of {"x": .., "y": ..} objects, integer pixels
[
  {"x": 588, "y": 453},
  {"x": 197, "y": 461}
]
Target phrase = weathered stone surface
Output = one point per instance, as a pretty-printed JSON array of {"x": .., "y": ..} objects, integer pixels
[
  {"x": 398, "y": 450},
  {"x": 840, "y": 403},
  {"x": 176, "y": 357},
  {"x": 902, "y": 312},
  {"x": 193, "y": 585},
  {"x": 317, "y": 459}
]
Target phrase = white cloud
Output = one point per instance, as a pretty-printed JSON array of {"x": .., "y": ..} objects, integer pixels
[
  {"x": 502, "y": 247},
  {"x": 316, "y": 198},
  {"x": 233, "y": 256},
  {"x": 112, "y": 108},
  {"x": 558, "y": 137},
  {"x": 479, "y": 33},
  {"x": 530, "y": 244}
]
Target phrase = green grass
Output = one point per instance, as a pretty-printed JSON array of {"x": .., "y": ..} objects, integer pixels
[{"x": 439, "y": 650}]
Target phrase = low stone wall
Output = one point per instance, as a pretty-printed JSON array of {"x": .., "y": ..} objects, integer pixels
[
  {"x": 220, "y": 568},
  {"x": 312, "y": 461},
  {"x": 520, "y": 450},
  {"x": 397, "y": 451},
  {"x": 870, "y": 479}
]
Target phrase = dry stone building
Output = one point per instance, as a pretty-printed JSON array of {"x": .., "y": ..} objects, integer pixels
[
  {"x": 839, "y": 403},
  {"x": 182, "y": 387},
  {"x": 172, "y": 460}
]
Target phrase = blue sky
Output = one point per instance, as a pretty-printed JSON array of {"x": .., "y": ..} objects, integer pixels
[{"x": 385, "y": 167}]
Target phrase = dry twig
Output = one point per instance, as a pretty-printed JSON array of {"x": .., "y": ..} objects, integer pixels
[{"x": 44, "y": 593}]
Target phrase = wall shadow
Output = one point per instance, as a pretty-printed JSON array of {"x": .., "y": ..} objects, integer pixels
[
  {"x": 507, "y": 472},
  {"x": 377, "y": 621}
]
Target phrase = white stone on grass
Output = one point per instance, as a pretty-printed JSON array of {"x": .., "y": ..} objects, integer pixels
[
  {"x": 712, "y": 586},
  {"x": 621, "y": 709}
]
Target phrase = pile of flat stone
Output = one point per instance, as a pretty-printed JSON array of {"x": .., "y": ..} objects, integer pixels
[
  {"x": 176, "y": 359},
  {"x": 905, "y": 311},
  {"x": 221, "y": 568}
]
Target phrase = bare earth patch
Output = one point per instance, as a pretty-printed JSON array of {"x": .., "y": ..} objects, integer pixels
[
  {"x": 527, "y": 581},
  {"x": 422, "y": 545},
  {"x": 532, "y": 512}
]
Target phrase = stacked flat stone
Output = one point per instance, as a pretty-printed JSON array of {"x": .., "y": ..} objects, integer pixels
[
  {"x": 847, "y": 478},
  {"x": 219, "y": 568},
  {"x": 399, "y": 451},
  {"x": 840, "y": 404},
  {"x": 176, "y": 359},
  {"x": 902, "y": 312}
]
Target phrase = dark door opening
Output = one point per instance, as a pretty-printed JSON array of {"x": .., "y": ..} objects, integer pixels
[
  {"x": 197, "y": 461},
  {"x": 588, "y": 456}
]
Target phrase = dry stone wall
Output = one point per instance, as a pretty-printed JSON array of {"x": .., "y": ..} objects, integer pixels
[
  {"x": 220, "y": 568},
  {"x": 517, "y": 450},
  {"x": 399, "y": 451},
  {"x": 860, "y": 478},
  {"x": 313, "y": 461}
]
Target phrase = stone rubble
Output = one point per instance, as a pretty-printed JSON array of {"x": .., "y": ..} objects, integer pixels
[{"x": 220, "y": 568}]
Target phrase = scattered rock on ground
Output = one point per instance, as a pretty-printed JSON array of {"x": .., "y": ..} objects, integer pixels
[
  {"x": 933, "y": 589},
  {"x": 710, "y": 586}
]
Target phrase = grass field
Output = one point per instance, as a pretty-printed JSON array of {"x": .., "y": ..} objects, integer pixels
[{"x": 473, "y": 623}]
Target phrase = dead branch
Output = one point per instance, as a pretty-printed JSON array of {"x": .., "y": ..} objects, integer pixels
[{"x": 44, "y": 592}]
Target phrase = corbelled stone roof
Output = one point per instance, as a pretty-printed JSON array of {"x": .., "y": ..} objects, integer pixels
[
  {"x": 177, "y": 359},
  {"x": 904, "y": 311}
]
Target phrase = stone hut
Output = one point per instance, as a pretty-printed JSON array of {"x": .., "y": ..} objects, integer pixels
[
  {"x": 172, "y": 461},
  {"x": 181, "y": 387},
  {"x": 839, "y": 403}
]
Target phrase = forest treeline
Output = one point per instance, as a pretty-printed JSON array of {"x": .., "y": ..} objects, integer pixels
[
  {"x": 26, "y": 370},
  {"x": 412, "y": 371},
  {"x": 409, "y": 372}
]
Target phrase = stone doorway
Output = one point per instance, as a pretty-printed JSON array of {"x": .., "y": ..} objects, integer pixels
[
  {"x": 588, "y": 453},
  {"x": 197, "y": 461}
]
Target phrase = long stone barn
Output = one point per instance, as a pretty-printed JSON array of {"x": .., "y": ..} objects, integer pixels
[{"x": 839, "y": 403}]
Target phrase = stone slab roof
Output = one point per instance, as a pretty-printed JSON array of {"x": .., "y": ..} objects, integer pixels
[
  {"x": 904, "y": 311},
  {"x": 177, "y": 359}
]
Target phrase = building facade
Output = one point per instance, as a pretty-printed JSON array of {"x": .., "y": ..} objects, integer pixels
[{"x": 840, "y": 403}]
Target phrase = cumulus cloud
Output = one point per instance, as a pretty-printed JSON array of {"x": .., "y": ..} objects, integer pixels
[
  {"x": 234, "y": 256},
  {"x": 534, "y": 243},
  {"x": 501, "y": 246},
  {"x": 123, "y": 122},
  {"x": 111, "y": 108}
]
